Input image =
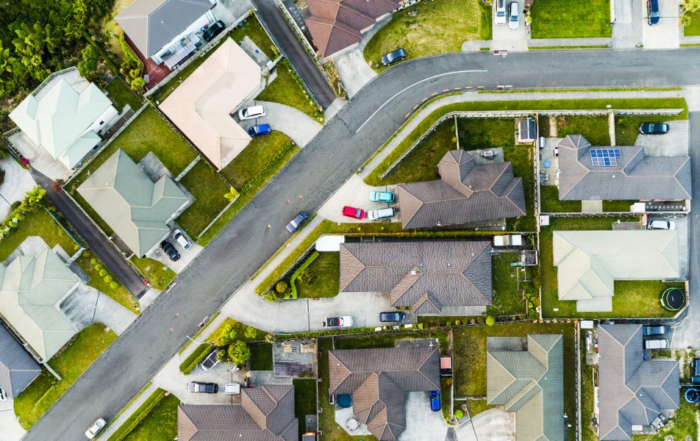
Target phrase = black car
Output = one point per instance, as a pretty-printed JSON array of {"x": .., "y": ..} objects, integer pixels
[
  {"x": 653, "y": 12},
  {"x": 297, "y": 222},
  {"x": 394, "y": 56},
  {"x": 392, "y": 316},
  {"x": 654, "y": 129},
  {"x": 213, "y": 30},
  {"x": 170, "y": 250},
  {"x": 202, "y": 388}
]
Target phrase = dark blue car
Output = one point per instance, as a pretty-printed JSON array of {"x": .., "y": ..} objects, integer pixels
[
  {"x": 653, "y": 12},
  {"x": 393, "y": 57},
  {"x": 259, "y": 130},
  {"x": 435, "y": 400}
]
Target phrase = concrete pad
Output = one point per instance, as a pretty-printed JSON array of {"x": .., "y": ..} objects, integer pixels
[
  {"x": 343, "y": 415},
  {"x": 39, "y": 158},
  {"x": 354, "y": 70},
  {"x": 422, "y": 424},
  {"x": 260, "y": 378},
  {"x": 666, "y": 34},
  {"x": 364, "y": 308},
  {"x": 354, "y": 193},
  {"x": 674, "y": 143},
  {"x": 11, "y": 430},
  {"x": 506, "y": 343},
  {"x": 288, "y": 120},
  {"x": 17, "y": 182},
  {"x": 599, "y": 304},
  {"x": 627, "y": 24},
  {"x": 256, "y": 53},
  {"x": 591, "y": 206},
  {"x": 491, "y": 425},
  {"x": 508, "y": 39}
]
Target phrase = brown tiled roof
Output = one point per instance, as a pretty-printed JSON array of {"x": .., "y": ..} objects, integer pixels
[
  {"x": 337, "y": 24},
  {"x": 267, "y": 413},
  {"x": 424, "y": 275},
  {"x": 379, "y": 379},
  {"x": 467, "y": 192}
]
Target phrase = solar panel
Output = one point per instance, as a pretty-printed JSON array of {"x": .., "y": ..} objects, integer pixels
[{"x": 604, "y": 157}]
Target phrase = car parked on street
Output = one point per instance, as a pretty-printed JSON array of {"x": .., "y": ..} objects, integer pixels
[
  {"x": 382, "y": 196},
  {"x": 393, "y": 56},
  {"x": 259, "y": 130},
  {"x": 213, "y": 30},
  {"x": 654, "y": 129},
  {"x": 653, "y": 12},
  {"x": 96, "y": 428},
  {"x": 382, "y": 213},
  {"x": 396, "y": 316},
  {"x": 435, "y": 400},
  {"x": 170, "y": 250},
  {"x": 513, "y": 18},
  {"x": 181, "y": 239},
  {"x": 356, "y": 213},
  {"x": 197, "y": 387},
  {"x": 251, "y": 113},
  {"x": 297, "y": 222},
  {"x": 338, "y": 322},
  {"x": 501, "y": 12},
  {"x": 661, "y": 224}
]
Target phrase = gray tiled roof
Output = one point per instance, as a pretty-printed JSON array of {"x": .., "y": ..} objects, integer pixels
[
  {"x": 636, "y": 177},
  {"x": 632, "y": 391},
  {"x": 467, "y": 192},
  {"x": 17, "y": 367},
  {"x": 424, "y": 275},
  {"x": 379, "y": 379}
]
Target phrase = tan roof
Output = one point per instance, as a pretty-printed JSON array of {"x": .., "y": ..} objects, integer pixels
[{"x": 200, "y": 107}]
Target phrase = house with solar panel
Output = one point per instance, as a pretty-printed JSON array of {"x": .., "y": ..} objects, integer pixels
[{"x": 588, "y": 173}]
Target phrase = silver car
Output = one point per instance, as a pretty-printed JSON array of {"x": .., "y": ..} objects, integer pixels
[
  {"x": 501, "y": 12},
  {"x": 513, "y": 19}
]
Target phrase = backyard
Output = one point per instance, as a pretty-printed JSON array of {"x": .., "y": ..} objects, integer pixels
[
  {"x": 507, "y": 299},
  {"x": 261, "y": 357},
  {"x": 684, "y": 425},
  {"x": 70, "y": 364},
  {"x": 304, "y": 401},
  {"x": 321, "y": 278},
  {"x": 557, "y": 19},
  {"x": 550, "y": 203},
  {"x": 431, "y": 28},
  {"x": 123, "y": 95}
]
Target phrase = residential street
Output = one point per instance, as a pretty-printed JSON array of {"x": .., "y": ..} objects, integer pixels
[{"x": 317, "y": 171}]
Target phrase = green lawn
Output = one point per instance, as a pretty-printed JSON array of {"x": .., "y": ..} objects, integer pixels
[
  {"x": 321, "y": 278},
  {"x": 288, "y": 89},
  {"x": 550, "y": 203},
  {"x": 261, "y": 357},
  {"x": 304, "y": 401},
  {"x": 557, "y": 19},
  {"x": 594, "y": 128},
  {"x": 469, "y": 354},
  {"x": 685, "y": 424},
  {"x": 617, "y": 205},
  {"x": 477, "y": 406},
  {"x": 260, "y": 152},
  {"x": 160, "y": 424},
  {"x": 693, "y": 28},
  {"x": 157, "y": 273},
  {"x": 438, "y": 27},
  {"x": 70, "y": 364},
  {"x": 122, "y": 94},
  {"x": 627, "y": 127},
  {"x": 208, "y": 190},
  {"x": 507, "y": 299}
]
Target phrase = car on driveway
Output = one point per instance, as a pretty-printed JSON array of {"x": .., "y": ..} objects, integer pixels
[
  {"x": 170, "y": 250},
  {"x": 259, "y": 130},
  {"x": 213, "y": 30},
  {"x": 513, "y": 18},
  {"x": 393, "y": 56},
  {"x": 501, "y": 12},
  {"x": 396, "y": 316},
  {"x": 654, "y": 129},
  {"x": 653, "y": 12},
  {"x": 96, "y": 428},
  {"x": 181, "y": 239},
  {"x": 382, "y": 213},
  {"x": 297, "y": 222},
  {"x": 197, "y": 387},
  {"x": 353, "y": 212},
  {"x": 661, "y": 224},
  {"x": 210, "y": 362},
  {"x": 435, "y": 400},
  {"x": 382, "y": 196},
  {"x": 338, "y": 322},
  {"x": 252, "y": 113},
  {"x": 3, "y": 395}
]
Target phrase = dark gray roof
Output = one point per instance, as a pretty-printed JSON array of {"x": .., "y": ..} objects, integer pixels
[
  {"x": 424, "y": 275},
  {"x": 17, "y": 367},
  {"x": 635, "y": 177},
  {"x": 632, "y": 391},
  {"x": 467, "y": 192}
]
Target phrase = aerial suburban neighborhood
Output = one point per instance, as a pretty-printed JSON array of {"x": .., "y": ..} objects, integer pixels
[{"x": 350, "y": 220}]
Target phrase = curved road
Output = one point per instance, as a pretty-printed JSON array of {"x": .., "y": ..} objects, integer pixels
[{"x": 321, "y": 167}]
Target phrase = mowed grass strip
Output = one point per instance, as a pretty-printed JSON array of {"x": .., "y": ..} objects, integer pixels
[
  {"x": 562, "y": 19},
  {"x": 253, "y": 158}
]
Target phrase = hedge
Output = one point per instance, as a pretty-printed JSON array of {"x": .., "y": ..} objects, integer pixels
[
  {"x": 301, "y": 269},
  {"x": 135, "y": 419},
  {"x": 196, "y": 357}
]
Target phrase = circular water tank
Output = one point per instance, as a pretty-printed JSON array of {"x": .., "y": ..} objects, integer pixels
[{"x": 692, "y": 395}]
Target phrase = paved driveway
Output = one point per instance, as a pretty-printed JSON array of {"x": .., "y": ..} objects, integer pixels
[
  {"x": 627, "y": 24},
  {"x": 354, "y": 193},
  {"x": 17, "y": 182},
  {"x": 422, "y": 424},
  {"x": 354, "y": 70},
  {"x": 508, "y": 39},
  {"x": 492, "y": 425},
  {"x": 186, "y": 255},
  {"x": 86, "y": 305},
  {"x": 288, "y": 120},
  {"x": 674, "y": 143},
  {"x": 667, "y": 33},
  {"x": 11, "y": 430}
]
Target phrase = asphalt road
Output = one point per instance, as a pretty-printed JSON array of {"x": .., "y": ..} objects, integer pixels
[{"x": 319, "y": 169}]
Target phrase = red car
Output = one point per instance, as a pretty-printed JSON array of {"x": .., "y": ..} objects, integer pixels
[{"x": 357, "y": 213}]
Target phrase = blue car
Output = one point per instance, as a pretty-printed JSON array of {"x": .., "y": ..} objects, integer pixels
[
  {"x": 653, "y": 12},
  {"x": 259, "y": 130},
  {"x": 297, "y": 222},
  {"x": 382, "y": 196},
  {"x": 393, "y": 57},
  {"x": 435, "y": 400}
]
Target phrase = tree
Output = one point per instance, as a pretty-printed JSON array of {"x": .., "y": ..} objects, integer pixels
[
  {"x": 88, "y": 67},
  {"x": 250, "y": 333},
  {"x": 239, "y": 352},
  {"x": 8, "y": 64},
  {"x": 138, "y": 84},
  {"x": 689, "y": 7},
  {"x": 490, "y": 320}
]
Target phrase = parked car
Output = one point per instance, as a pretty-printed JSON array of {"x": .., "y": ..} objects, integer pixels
[
  {"x": 654, "y": 129},
  {"x": 170, "y": 250},
  {"x": 382, "y": 213},
  {"x": 213, "y": 30},
  {"x": 382, "y": 196},
  {"x": 297, "y": 222},
  {"x": 96, "y": 428},
  {"x": 338, "y": 322},
  {"x": 393, "y": 56},
  {"x": 653, "y": 12},
  {"x": 251, "y": 113},
  {"x": 513, "y": 22},
  {"x": 661, "y": 224},
  {"x": 656, "y": 343},
  {"x": 353, "y": 212},
  {"x": 181, "y": 239},
  {"x": 501, "y": 12},
  {"x": 197, "y": 387},
  {"x": 210, "y": 362},
  {"x": 653, "y": 330},
  {"x": 396, "y": 316},
  {"x": 232, "y": 389},
  {"x": 259, "y": 130},
  {"x": 435, "y": 400}
]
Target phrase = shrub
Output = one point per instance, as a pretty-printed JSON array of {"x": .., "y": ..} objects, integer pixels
[
  {"x": 93, "y": 262},
  {"x": 490, "y": 320},
  {"x": 108, "y": 279},
  {"x": 239, "y": 352},
  {"x": 114, "y": 285},
  {"x": 250, "y": 333},
  {"x": 103, "y": 273},
  {"x": 281, "y": 287},
  {"x": 459, "y": 414}
]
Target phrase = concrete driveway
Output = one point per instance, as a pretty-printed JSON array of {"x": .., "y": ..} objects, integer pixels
[
  {"x": 666, "y": 34},
  {"x": 186, "y": 255},
  {"x": 38, "y": 157},
  {"x": 508, "y": 39},
  {"x": 86, "y": 305},
  {"x": 17, "y": 182},
  {"x": 492, "y": 425},
  {"x": 674, "y": 143},
  {"x": 288, "y": 120},
  {"x": 422, "y": 424},
  {"x": 354, "y": 70},
  {"x": 354, "y": 193},
  {"x": 11, "y": 430},
  {"x": 628, "y": 21},
  {"x": 173, "y": 380}
]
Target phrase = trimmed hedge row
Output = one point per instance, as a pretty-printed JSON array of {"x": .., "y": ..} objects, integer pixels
[
  {"x": 135, "y": 419},
  {"x": 196, "y": 357}
]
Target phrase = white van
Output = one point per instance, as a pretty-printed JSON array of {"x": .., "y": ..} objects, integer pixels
[
  {"x": 382, "y": 213},
  {"x": 181, "y": 239},
  {"x": 513, "y": 22},
  {"x": 656, "y": 343},
  {"x": 251, "y": 113},
  {"x": 501, "y": 12}
]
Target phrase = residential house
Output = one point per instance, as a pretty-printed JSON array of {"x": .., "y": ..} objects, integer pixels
[
  {"x": 266, "y": 413},
  {"x": 426, "y": 276},
  {"x": 619, "y": 173},
  {"x": 201, "y": 106},
  {"x": 31, "y": 289},
  {"x": 632, "y": 390},
  {"x": 530, "y": 383},
  {"x": 65, "y": 116},
  {"x": 379, "y": 379},
  {"x": 17, "y": 368},
  {"x": 136, "y": 208},
  {"x": 589, "y": 262},
  {"x": 339, "y": 24},
  {"x": 466, "y": 192}
]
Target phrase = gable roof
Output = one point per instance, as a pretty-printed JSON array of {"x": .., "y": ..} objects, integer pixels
[
  {"x": 589, "y": 262},
  {"x": 636, "y": 176},
  {"x": 531, "y": 384},
  {"x": 17, "y": 367},
  {"x": 379, "y": 379},
  {"x": 337, "y": 24},
  {"x": 132, "y": 205},
  {"x": 58, "y": 114},
  {"x": 467, "y": 192},
  {"x": 200, "y": 107},
  {"x": 632, "y": 391},
  {"x": 151, "y": 24},
  {"x": 266, "y": 413},
  {"x": 424, "y": 275},
  {"x": 31, "y": 289}
]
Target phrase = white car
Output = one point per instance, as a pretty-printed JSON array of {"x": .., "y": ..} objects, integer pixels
[
  {"x": 338, "y": 322},
  {"x": 96, "y": 428},
  {"x": 661, "y": 224},
  {"x": 501, "y": 12},
  {"x": 181, "y": 239},
  {"x": 513, "y": 22},
  {"x": 251, "y": 113}
]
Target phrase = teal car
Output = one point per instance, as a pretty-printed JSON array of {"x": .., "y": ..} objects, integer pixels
[{"x": 382, "y": 196}]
